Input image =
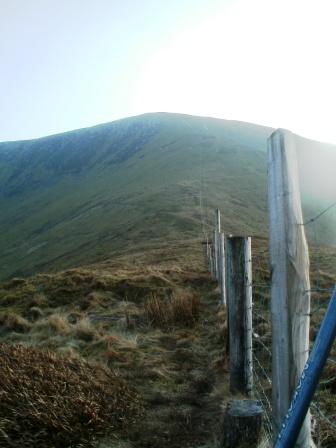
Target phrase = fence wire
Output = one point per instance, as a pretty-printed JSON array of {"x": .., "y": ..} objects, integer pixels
[
  {"x": 323, "y": 281},
  {"x": 262, "y": 336}
]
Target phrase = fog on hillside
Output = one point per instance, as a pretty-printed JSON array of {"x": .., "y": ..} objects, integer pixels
[{"x": 317, "y": 162}]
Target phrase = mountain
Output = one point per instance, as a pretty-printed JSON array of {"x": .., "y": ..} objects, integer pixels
[{"x": 87, "y": 195}]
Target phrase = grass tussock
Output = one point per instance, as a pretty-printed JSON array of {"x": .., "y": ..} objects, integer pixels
[
  {"x": 58, "y": 323},
  {"x": 12, "y": 322},
  {"x": 179, "y": 310},
  {"x": 51, "y": 401},
  {"x": 85, "y": 331}
]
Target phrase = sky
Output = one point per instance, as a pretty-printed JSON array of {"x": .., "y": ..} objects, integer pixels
[{"x": 68, "y": 64}]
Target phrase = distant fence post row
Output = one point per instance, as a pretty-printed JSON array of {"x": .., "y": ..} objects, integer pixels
[
  {"x": 230, "y": 263},
  {"x": 233, "y": 260},
  {"x": 216, "y": 256},
  {"x": 231, "y": 256},
  {"x": 239, "y": 296}
]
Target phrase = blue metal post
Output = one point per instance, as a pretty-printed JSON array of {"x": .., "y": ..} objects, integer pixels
[{"x": 304, "y": 392}]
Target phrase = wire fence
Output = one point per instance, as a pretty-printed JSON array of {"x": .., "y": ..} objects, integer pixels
[
  {"x": 323, "y": 279},
  {"x": 262, "y": 336},
  {"x": 322, "y": 284}
]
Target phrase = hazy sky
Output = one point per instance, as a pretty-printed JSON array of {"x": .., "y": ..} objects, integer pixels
[{"x": 67, "y": 64}]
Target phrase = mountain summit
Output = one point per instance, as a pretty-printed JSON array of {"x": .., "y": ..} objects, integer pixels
[{"x": 84, "y": 195}]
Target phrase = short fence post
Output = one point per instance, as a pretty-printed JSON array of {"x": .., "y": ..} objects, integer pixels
[
  {"x": 222, "y": 268},
  {"x": 290, "y": 292},
  {"x": 242, "y": 424},
  {"x": 239, "y": 299}
]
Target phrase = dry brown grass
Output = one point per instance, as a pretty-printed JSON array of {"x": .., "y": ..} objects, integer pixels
[
  {"x": 59, "y": 324},
  {"x": 169, "y": 361},
  {"x": 85, "y": 331},
  {"x": 51, "y": 401},
  {"x": 159, "y": 360},
  {"x": 12, "y": 322},
  {"x": 185, "y": 310},
  {"x": 179, "y": 310}
]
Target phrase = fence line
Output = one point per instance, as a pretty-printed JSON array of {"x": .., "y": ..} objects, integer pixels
[
  {"x": 319, "y": 289},
  {"x": 262, "y": 342},
  {"x": 324, "y": 430}
]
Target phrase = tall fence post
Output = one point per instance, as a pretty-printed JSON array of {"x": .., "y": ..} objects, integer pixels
[
  {"x": 239, "y": 299},
  {"x": 211, "y": 263},
  {"x": 290, "y": 291},
  {"x": 207, "y": 252},
  {"x": 222, "y": 267},
  {"x": 248, "y": 313},
  {"x": 218, "y": 220},
  {"x": 215, "y": 254},
  {"x": 216, "y": 243}
]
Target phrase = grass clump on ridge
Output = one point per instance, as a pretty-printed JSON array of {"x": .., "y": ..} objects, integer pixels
[
  {"x": 179, "y": 310},
  {"x": 51, "y": 401}
]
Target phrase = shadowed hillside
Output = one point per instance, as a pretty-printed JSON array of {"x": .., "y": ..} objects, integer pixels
[{"x": 87, "y": 195}]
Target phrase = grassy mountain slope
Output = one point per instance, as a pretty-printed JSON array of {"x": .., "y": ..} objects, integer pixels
[
  {"x": 154, "y": 321},
  {"x": 115, "y": 314},
  {"x": 120, "y": 202},
  {"x": 86, "y": 195}
]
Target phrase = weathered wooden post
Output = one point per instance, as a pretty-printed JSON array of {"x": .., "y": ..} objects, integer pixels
[
  {"x": 216, "y": 242},
  {"x": 207, "y": 251},
  {"x": 239, "y": 300},
  {"x": 211, "y": 264},
  {"x": 222, "y": 268},
  {"x": 217, "y": 220},
  {"x": 290, "y": 293},
  {"x": 242, "y": 424},
  {"x": 215, "y": 254}
]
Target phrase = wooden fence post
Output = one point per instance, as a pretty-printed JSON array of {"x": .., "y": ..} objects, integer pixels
[
  {"x": 222, "y": 267},
  {"x": 218, "y": 220},
  {"x": 248, "y": 313},
  {"x": 216, "y": 243},
  {"x": 215, "y": 254},
  {"x": 211, "y": 264},
  {"x": 290, "y": 292},
  {"x": 207, "y": 252},
  {"x": 242, "y": 424},
  {"x": 239, "y": 299}
]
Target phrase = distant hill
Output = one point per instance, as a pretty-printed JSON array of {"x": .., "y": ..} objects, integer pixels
[{"x": 85, "y": 195}]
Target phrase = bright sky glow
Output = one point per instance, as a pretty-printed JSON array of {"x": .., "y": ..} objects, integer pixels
[{"x": 67, "y": 64}]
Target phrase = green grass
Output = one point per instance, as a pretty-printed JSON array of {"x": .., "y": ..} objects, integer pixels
[
  {"x": 68, "y": 217},
  {"x": 88, "y": 195}
]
